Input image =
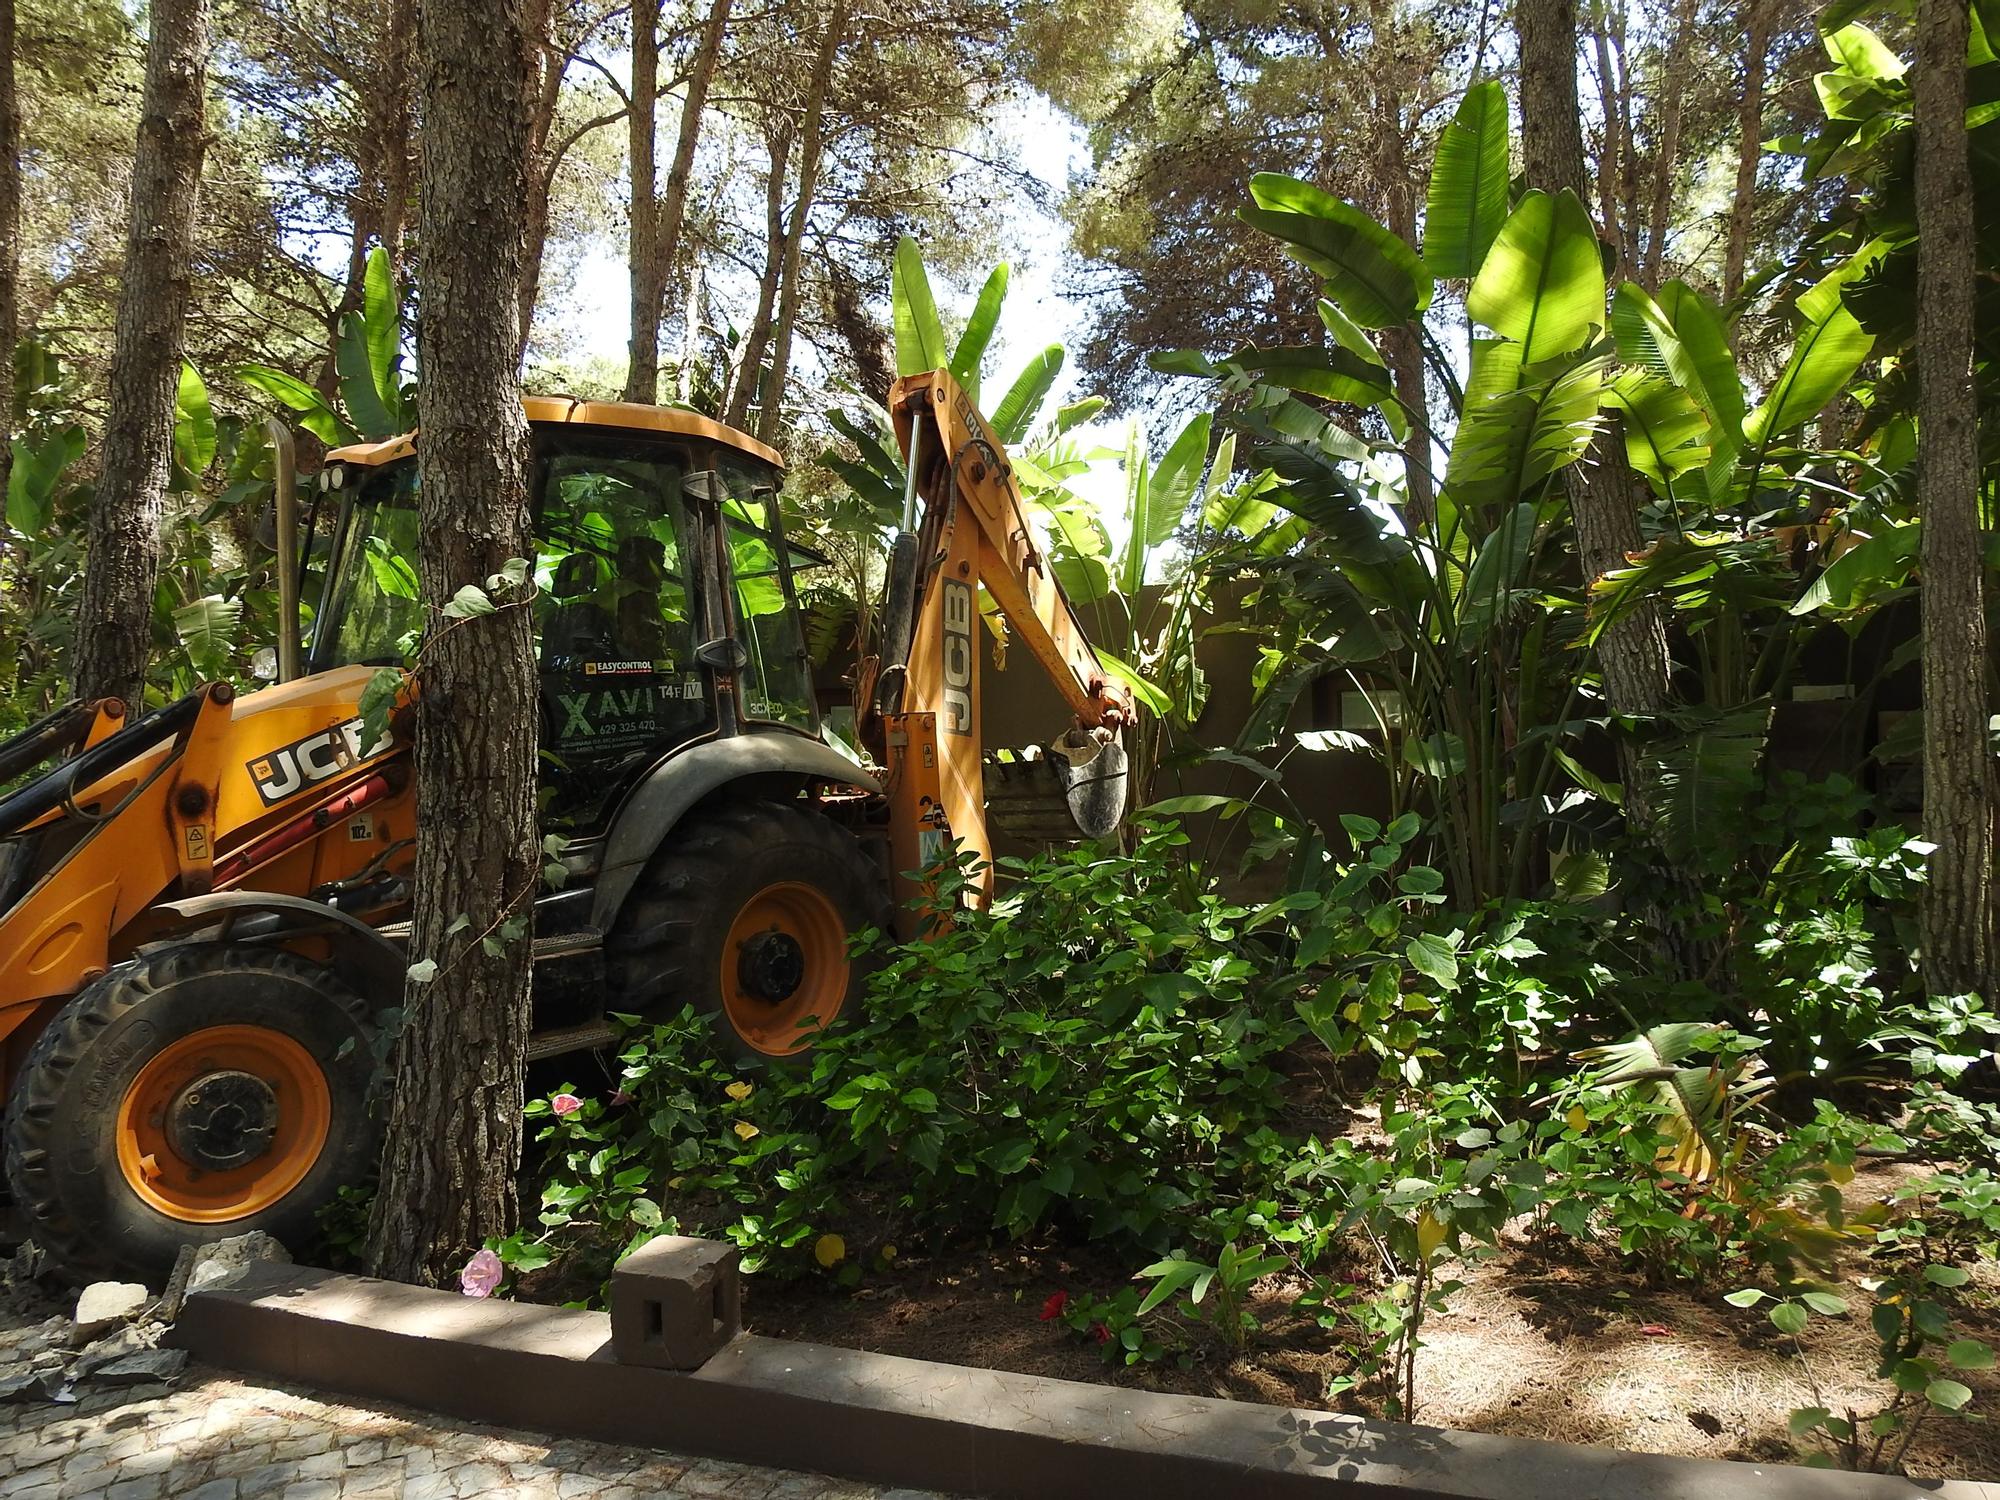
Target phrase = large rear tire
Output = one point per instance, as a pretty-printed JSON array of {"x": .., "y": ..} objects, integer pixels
[
  {"x": 746, "y": 913},
  {"x": 191, "y": 1094}
]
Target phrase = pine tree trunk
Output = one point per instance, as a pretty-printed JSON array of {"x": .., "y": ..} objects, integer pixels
[
  {"x": 454, "y": 1142},
  {"x": 1633, "y": 653},
  {"x": 114, "y": 623},
  {"x": 642, "y": 232},
  {"x": 10, "y": 242},
  {"x": 1749, "y": 146},
  {"x": 1670, "y": 146},
  {"x": 750, "y": 362},
  {"x": 811, "y": 144},
  {"x": 1958, "y": 935},
  {"x": 545, "y": 96}
]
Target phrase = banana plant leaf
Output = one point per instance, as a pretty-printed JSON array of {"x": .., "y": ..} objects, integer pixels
[
  {"x": 971, "y": 351},
  {"x": 315, "y": 413},
  {"x": 1542, "y": 283},
  {"x": 1666, "y": 434},
  {"x": 382, "y": 329},
  {"x": 1468, "y": 192},
  {"x": 1016, "y": 412},
  {"x": 1330, "y": 374},
  {"x": 1520, "y": 424},
  {"x": 1372, "y": 276},
  {"x": 1702, "y": 782},
  {"x": 1878, "y": 561},
  {"x": 194, "y": 424},
  {"x": 1681, "y": 338},
  {"x": 920, "y": 343},
  {"x": 1830, "y": 347},
  {"x": 1700, "y": 1099}
]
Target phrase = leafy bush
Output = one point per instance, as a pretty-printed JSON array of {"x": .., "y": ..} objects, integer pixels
[{"x": 1100, "y": 1053}]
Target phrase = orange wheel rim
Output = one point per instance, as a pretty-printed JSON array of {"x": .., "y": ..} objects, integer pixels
[
  {"x": 784, "y": 968},
  {"x": 222, "y": 1123}
]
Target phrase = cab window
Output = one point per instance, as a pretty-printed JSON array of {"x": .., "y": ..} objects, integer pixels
[
  {"x": 615, "y": 625},
  {"x": 777, "y": 684}
]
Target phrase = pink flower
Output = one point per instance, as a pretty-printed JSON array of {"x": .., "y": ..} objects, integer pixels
[
  {"x": 481, "y": 1276},
  {"x": 565, "y": 1104},
  {"x": 1053, "y": 1308},
  {"x": 620, "y": 1097},
  {"x": 1099, "y": 1332}
]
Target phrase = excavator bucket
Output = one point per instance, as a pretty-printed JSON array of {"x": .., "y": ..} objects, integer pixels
[{"x": 1076, "y": 787}]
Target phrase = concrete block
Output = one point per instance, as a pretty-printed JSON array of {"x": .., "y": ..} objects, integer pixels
[{"x": 675, "y": 1303}]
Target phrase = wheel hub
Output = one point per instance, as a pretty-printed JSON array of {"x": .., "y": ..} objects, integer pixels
[
  {"x": 222, "y": 1120},
  {"x": 771, "y": 966}
]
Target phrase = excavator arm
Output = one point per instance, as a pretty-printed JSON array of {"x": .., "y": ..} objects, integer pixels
[{"x": 965, "y": 528}]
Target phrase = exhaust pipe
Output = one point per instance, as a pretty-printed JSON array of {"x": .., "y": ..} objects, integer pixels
[{"x": 285, "y": 504}]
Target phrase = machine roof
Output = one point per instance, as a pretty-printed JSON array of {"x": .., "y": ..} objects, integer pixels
[{"x": 626, "y": 414}]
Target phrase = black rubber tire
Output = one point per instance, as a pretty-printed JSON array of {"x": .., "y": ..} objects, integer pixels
[
  {"x": 666, "y": 949},
  {"x": 62, "y": 1111}
]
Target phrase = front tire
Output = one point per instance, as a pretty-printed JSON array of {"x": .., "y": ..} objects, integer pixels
[
  {"x": 746, "y": 913},
  {"x": 191, "y": 1094}
]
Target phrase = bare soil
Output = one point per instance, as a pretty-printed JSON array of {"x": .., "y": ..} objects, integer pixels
[{"x": 1543, "y": 1342}]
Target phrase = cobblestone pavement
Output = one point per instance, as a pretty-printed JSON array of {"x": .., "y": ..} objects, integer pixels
[{"x": 211, "y": 1436}]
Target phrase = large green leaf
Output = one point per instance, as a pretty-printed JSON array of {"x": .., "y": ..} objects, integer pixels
[
  {"x": 1520, "y": 425},
  {"x": 1849, "y": 579},
  {"x": 316, "y": 415},
  {"x": 971, "y": 350},
  {"x": 1494, "y": 584},
  {"x": 919, "y": 335},
  {"x": 1138, "y": 512},
  {"x": 1374, "y": 277},
  {"x": 1016, "y": 412},
  {"x": 1831, "y": 346},
  {"x": 194, "y": 424},
  {"x": 382, "y": 324},
  {"x": 1542, "y": 284},
  {"x": 208, "y": 629},
  {"x": 1330, "y": 374},
  {"x": 1701, "y": 783},
  {"x": 1167, "y": 495},
  {"x": 35, "y": 476},
  {"x": 365, "y": 409},
  {"x": 1468, "y": 194},
  {"x": 1858, "y": 51},
  {"x": 1666, "y": 434},
  {"x": 1699, "y": 1098}
]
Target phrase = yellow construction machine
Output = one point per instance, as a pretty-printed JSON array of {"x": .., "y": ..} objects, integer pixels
[{"x": 202, "y": 910}]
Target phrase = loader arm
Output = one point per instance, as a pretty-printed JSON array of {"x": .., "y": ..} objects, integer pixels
[{"x": 970, "y": 530}]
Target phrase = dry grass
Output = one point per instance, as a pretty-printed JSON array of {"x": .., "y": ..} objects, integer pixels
[{"x": 1541, "y": 1343}]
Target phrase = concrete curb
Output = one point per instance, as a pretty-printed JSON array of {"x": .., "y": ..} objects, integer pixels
[{"x": 897, "y": 1421}]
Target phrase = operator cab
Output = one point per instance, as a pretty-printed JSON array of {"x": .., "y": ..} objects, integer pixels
[{"x": 664, "y": 609}]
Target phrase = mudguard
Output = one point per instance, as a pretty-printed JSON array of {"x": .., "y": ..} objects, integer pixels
[
  {"x": 371, "y": 963},
  {"x": 774, "y": 764}
]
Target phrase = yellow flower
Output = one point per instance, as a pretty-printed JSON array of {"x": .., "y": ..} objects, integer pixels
[
  {"x": 740, "y": 1091},
  {"x": 1430, "y": 1234},
  {"x": 1576, "y": 1119},
  {"x": 888, "y": 1252},
  {"x": 745, "y": 1130},
  {"x": 830, "y": 1250}
]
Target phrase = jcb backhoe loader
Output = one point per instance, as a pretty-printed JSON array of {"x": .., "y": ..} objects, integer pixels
[{"x": 202, "y": 910}]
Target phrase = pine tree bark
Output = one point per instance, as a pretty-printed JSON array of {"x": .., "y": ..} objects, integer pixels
[
  {"x": 655, "y": 246},
  {"x": 642, "y": 234},
  {"x": 114, "y": 622},
  {"x": 750, "y": 361},
  {"x": 10, "y": 242},
  {"x": 1667, "y": 159},
  {"x": 1749, "y": 145},
  {"x": 543, "y": 162},
  {"x": 1633, "y": 653},
  {"x": 454, "y": 1140},
  {"x": 812, "y": 143},
  {"x": 1958, "y": 899}
]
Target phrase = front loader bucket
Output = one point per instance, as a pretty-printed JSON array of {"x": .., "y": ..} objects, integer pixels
[{"x": 1075, "y": 788}]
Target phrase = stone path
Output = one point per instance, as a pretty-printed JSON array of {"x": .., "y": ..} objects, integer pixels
[{"x": 211, "y": 1436}]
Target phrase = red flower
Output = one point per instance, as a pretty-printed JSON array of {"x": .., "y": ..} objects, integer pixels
[
  {"x": 1101, "y": 1334},
  {"x": 1053, "y": 1308}
]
